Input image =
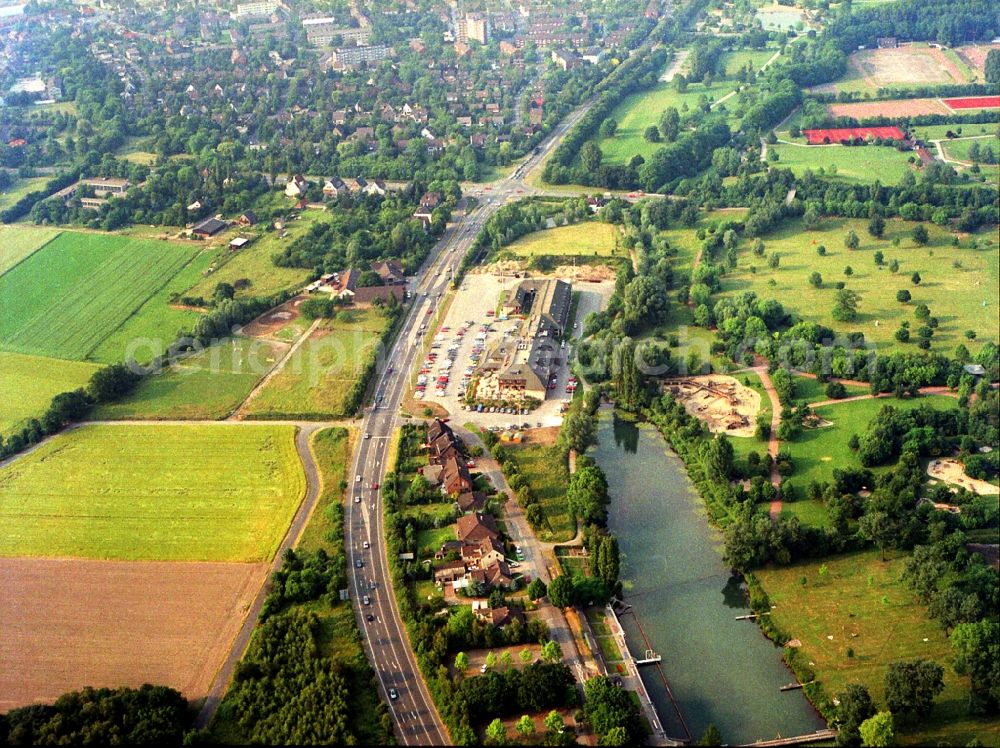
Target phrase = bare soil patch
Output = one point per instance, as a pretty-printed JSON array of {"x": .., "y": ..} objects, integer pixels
[
  {"x": 71, "y": 623},
  {"x": 975, "y": 55},
  {"x": 273, "y": 320},
  {"x": 953, "y": 472},
  {"x": 890, "y": 108},
  {"x": 724, "y": 403},
  {"x": 907, "y": 65}
]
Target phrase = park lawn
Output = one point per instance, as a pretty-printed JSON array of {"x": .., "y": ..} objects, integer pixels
[
  {"x": 961, "y": 298},
  {"x": 158, "y": 492},
  {"x": 737, "y": 59},
  {"x": 861, "y": 603},
  {"x": 149, "y": 332},
  {"x": 811, "y": 390},
  {"x": 208, "y": 385},
  {"x": 817, "y": 452},
  {"x": 430, "y": 541},
  {"x": 28, "y": 384},
  {"x": 587, "y": 239},
  {"x": 548, "y": 477},
  {"x": 318, "y": 376},
  {"x": 19, "y": 242},
  {"x": 854, "y": 164},
  {"x": 20, "y": 188},
  {"x": 332, "y": 450},
  {"x": 684, "y": 240},
  {"x": 640, "y": 110},
  {"x": 80, "y": 288},
  {"x": 254, "y": 262}
]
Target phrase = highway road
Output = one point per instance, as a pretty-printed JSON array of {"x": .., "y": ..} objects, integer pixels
[{"x": 414, "y": 714}]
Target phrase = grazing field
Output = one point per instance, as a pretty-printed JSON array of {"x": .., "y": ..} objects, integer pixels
[
  {"x": 79, "y": 288},
  {"x": 816, "y": 453},
  {"x": 317, "y": 377},
  {"x": 889, "y": 108},
  {"x": 959, "y": 149},
  {"x": 962, "y": 298},
  {"x": 21, "y": 188},
  {"x": 209, "y": 385},
  {"x": 254, "y": 262},
  {"x": 71, "y": 623},
  {"x": 586, "y": 239},
  {"x": 19, "y": 242},
  {"x": 222, "y": 492},
  {"x": 859, "y": 602},
  {"x": 548, "y": 476},
  {"x": 855, "y": 164},
  {"x": 28, "y": 384}
]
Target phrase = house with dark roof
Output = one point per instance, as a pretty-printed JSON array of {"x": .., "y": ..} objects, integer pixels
[
  {"x": 247, "y": 218},
  {"x": 209, "y": 227},
  {"x": 390, "y": 271},
  {"x": 455, "y": 479},
  {"x": 498, "y": 575}
]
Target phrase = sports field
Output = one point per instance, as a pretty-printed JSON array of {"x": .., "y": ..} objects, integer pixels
[
  {"x": 315, "y": 380},
  {"x": 71, "y": 623},
  {"x": 208, "y": 385},
  {"x": 18, "y": 242},
  {"x": 220, "y": 492},
  {"x": 962, "y": 298},
  {"x": 80, "y": 288},
  {"x": 28, "y": 384},
  {"x": 855, "y": 164},
  {"x": 911, "y": 65},
  {"x": 587, "y": 239},
  {"x": 860, "y": 603}
]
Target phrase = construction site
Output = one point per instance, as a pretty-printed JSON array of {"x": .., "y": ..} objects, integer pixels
[{"x": 723, "y": 403}]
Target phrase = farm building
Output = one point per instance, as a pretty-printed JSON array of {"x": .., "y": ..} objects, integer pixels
[
  {"x": 238, "y": 243},
  {"x": 247, "y": 218},
  {"x": 209, "y": 227}
]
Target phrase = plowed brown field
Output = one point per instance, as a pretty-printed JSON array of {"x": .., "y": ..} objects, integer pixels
[{"x": 70, "y": 623}]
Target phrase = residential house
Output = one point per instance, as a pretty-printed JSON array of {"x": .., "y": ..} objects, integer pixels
[
  {"x": 449, "y": 572},
  {"x": 296, "y": 186},
  {"x": 247, "y": 218},
  {"x": 428, "y": 202},
  {"x": 471, "y": 501},
  {"x": 565, "y": 59},
  {"x": 390, "y": 271},
  {"x": 456, "y": 478},
  {"x": 334, "y": 186},
  {"x": 498, "y": 575},
  {"x": 483, "y": 554},
  {"x": 376, "y": 187},
  {"x": 238, "y": 243},
  {"x": 471, "y": 528}
]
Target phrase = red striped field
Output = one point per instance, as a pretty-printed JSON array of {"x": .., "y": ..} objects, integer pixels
[
  {"x": 974, "y": 102},
  {"x": 839, "y": 134}
]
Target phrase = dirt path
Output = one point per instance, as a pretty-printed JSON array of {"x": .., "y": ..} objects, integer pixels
[
  {"x": 772, "y": 442},
  {"x": 675, "y": 66}
]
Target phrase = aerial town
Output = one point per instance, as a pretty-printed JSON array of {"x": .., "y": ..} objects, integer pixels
[{"x": 500, "y": 372}]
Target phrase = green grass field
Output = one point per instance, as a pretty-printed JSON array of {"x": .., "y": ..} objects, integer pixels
[
  {"x": 861, "y": 603},
  {"x": 855, "y": 164},
  {"x": 548, "y": 476},
  {"x": 940, "y": 132},
  {"x": 80, "y": 288},
  {"x": 959, "y": 149},
  {"x": 254, "y": 262},
  {"x": 586, "y": 239},
  {"x": 817, "y": 452},
  {"x": 315, "y": 380},
  {"x": 170, "y": 493},
  {"x": 19, "y": 242},
  {"x": 813, "y": 391},
  {"x": 21, "y": 188},
  {"x": 332, "y": 448},
  {"x": 28, "y": 384},
  {"x": 962, "y": 298},
  {"x": 206, "y": 386}
]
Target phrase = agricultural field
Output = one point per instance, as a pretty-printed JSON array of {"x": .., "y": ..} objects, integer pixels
[
  {"x": 205, "y": 386},
  {"x": 28, "y": 384},
  {"x": 584, "y": 239},
  {"x": 215, "y": 492},
  {"x": 318, "y": 376},
  {"x": 71, "y": 623},
  {"x": 817, "y": 452},
  {"x": 548, "y": 477},
  {"x": 19, "y": 242},
  {"x": 80, "y": 288},
  {"x": 254, "y": 262},
  {"x": 888, "y": 108},
  {"x": 857, "y": 601},
  {"x": 854, "y": 164},
  {"x": 959, "y": 284}
]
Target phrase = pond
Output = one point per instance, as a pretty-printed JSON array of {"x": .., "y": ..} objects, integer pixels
[{"x": 721, "y": 671}]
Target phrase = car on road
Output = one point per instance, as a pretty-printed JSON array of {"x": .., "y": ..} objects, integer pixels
[
  {"x": 393, "y": 694},
  {"x": 372, "y": 584},
  {"x": 370, "y": 617},
  {"x": 367, "y": 435},
  {"x": 374, "y": 486},
  {"x": 357, "y": 499},
  {"x": 366, "y": 545},
  {"x": 366, "y": 600},
  {"x": 358, "y": 563},
  {"x": 357, "y": 478}
]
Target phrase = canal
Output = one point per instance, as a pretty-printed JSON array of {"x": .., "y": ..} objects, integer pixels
[{"x": 721, "y": 671}]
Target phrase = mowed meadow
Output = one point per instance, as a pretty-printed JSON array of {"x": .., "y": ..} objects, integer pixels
[
  {"x": 28, "y": 384},
  {"x": 17, "y": 243},
  {"x": 67, "y": 297},
  {"x": 213, "y": 492}
]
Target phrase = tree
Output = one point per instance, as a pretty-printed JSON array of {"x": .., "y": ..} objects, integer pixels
[
  {"x": 894, "y": 265},
  {"x": 856, "y": 706},
  {"x": 561, "y": 591},
  {"x": 526, "y": 726},
  {"x": 506, "y": 659},
  {"x": 992, "y": 68},
  {"x": 607, "y": 706},
  {"x": 719, "y": 457},
  {"x": 915, "y": 279},
  {"x": 845, "y": 309},
  {"x": 879, "y": 257},
  {"x": 608, "y": 127},
  {"x": 878, "y": 731},
  {"x": 651, "y": 134},
  {"x": 910, "y": 686},
  {"x": 815, "y": 280},
  {"x": 496, "y": 732},
  {"x": 851, "y": 241},
  {"x": 920, "y": 235},
  {"x": 578, "y": 431},
  {"x": 848, "y": 271},
  {"x": 554, "y": 723},
  {"x": 461, "y": 662},
  {"x": 670, "y": 123},
  {"x": 491, "y": 659},
  {"x": 877, "y": 527},
  {"x": 536, "y": 590},
  {"x": 616, "y": 736},
  {"x": 711, "y": 736},
  {"x": 977, "y": 654},
  {"x": 591, "y": 156},
  {"x": 903, "y": 296},
  {"x": 526, "y": 656},
  {"x": 876, "y": 226},
  {"x": 551, "y": 651}
]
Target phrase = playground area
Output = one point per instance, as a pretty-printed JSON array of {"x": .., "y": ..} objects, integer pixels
[
  {"x": 726, "y": 405},
  {"x": 952, "y": 472}
]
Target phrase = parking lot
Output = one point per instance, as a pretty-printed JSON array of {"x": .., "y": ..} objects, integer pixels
[{"x": 469, "y": 328}]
